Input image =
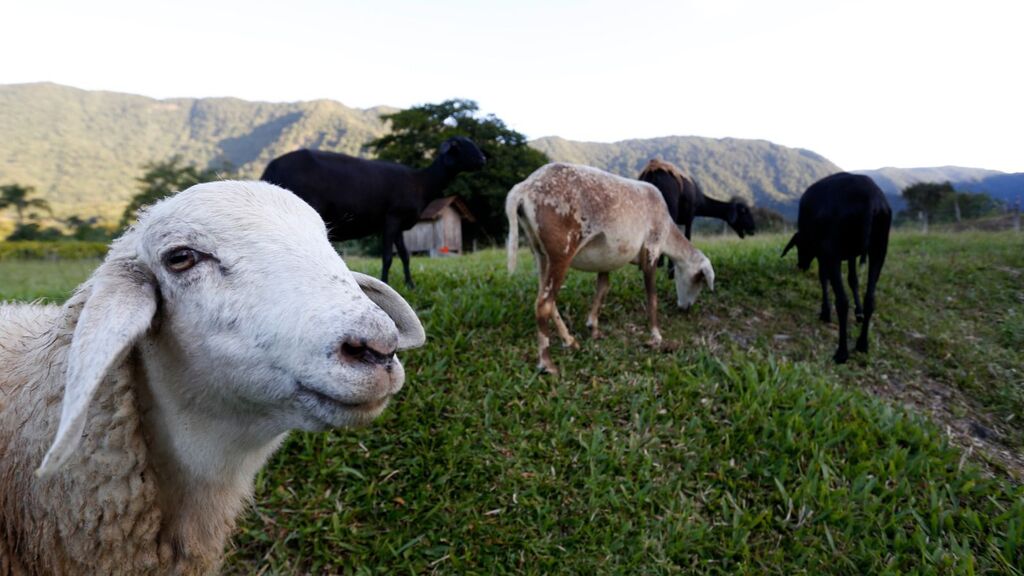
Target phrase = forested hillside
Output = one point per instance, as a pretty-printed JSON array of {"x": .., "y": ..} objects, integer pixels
[{"x": 82, "y": 150}]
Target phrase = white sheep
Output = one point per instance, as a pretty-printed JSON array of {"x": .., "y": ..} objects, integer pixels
[
  {"x": 584, "y": 218},
  {"x": 220, "y": 322}
]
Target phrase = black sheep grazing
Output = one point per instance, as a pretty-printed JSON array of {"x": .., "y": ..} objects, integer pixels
[
  {"x": 843, "y": 216},
  {"x": 357, "y": 197},
  {"x": 686, "y": 200}
]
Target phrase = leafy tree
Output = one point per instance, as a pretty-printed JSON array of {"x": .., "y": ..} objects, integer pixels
[
  {"x": 18, "y": 197},
  {"x": 34, "y": 231},
  {"x": 86, "y": 229},
  {"x": 942, "y": 203},
  {"x": 163, "y": 179},
  {"x": 417, "y": 133},
  {"x": 768, "y": 220},
  {"x": 927, "y": 197},
  {"x": 969, "y": 205}
]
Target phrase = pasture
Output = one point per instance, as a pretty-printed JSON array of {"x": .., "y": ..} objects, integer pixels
[{"x": 737, "y": 448}]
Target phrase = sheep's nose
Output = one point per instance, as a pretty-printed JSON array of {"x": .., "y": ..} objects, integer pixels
[{"x": 367, "y": 351}]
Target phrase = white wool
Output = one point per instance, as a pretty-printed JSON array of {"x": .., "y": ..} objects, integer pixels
[{"x": 205, "y": 369}]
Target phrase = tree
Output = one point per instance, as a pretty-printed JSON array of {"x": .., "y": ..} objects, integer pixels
[
  {"x": 17, "y": 196},
  {"x": 768, "y": 220},
  {"x": 33, "y": 231},
  {"x": 163, "y": 179},
  {"x": 417, "y": 133},
  {"x": 926, "y": 197},
  {"x": 86, "y": 229},
  {"x": 968, "y": 205}
]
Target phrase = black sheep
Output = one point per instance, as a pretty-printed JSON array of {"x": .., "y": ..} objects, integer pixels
[
  {"x": 686, "y": 200},
  {"x": 357, "y": 197},
  {"x": 843, "y": 216}
]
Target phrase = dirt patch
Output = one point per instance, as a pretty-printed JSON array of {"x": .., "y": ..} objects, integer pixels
[
  {"x": 966, "y": 425},
  {"x": 981, "y": 436}
]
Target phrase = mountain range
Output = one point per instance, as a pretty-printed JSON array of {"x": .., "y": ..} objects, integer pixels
[{"x": 82, "y": 150}]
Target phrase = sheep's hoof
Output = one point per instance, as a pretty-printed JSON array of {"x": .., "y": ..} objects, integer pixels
[
  {"x": 841, "y": 356},
  {"x": 571, "y": 343},
  {"x": 596, "y": 335},
  {"x": 547, "y": 369},
  {"x": 654, "y": 343},
  {"x": 825, "y": 317},
  {"x": 410, "y": 284},
  {"x": 860, "y": 317},
  {"x": 862, "y": 346}
]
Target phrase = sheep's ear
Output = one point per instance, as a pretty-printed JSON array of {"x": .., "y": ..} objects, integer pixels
[
  {"x": 410, "y": 331},
  {"x": 446, "y": 146},
  {"x": 707, "y": 274},
  {"x": 118, "y": 310},
  {"x": 792, "y": 242}
]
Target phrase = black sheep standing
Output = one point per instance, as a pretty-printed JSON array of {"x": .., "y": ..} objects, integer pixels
[
  {"x": 842, "y": 217},
  {"x": 357, "y": 197}
]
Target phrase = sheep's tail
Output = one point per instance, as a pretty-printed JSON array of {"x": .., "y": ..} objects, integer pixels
[{"x": 512, "y": 202}]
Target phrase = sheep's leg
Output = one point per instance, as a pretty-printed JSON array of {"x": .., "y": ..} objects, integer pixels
[
  {"x": 851, "y": 279},
  {"x": 651, "y": 287},
  {"x": 834, "y": 270},
  {"x": 875, "y": 262},
  {"x": 403, "y": 253},
  {"x": 568, "y": 340},
  {"x": 542, "y": 313},
  {"x": 592, "y": 319},
  {"x": 552, "y": 276},
  {"x": 826, "y": 309},
  {"x": 563, "y": 331},
  {"x": 388, "y": 242}
]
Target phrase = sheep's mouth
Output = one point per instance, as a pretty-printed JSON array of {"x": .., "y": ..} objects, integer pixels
[{"x": 322, "y": 398}]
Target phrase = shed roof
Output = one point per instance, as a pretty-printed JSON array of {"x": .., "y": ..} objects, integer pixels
[{"x": 433, "y": 210}]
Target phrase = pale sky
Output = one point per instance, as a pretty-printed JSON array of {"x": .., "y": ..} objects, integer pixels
[{"x": 864, "y": 83}]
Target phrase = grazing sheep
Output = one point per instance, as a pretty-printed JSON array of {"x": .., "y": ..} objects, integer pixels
[
  {"x": 686, "y": 200},
  {"x": 359, "y": 197},
  {"x": 134, "y": 418},
  {"x": 841, "y": 217},
  {"x": 588, "y": 219}
]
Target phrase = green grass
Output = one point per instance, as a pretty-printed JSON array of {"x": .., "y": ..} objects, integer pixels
[
  {"x": 740, "y": 449},
  {"x": 49, "y": 280}
]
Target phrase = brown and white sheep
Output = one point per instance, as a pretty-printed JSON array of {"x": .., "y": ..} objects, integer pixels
[{"x": 585, "y": 218}]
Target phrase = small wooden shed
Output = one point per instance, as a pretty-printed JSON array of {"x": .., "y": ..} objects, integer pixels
[{"x": 439, "y": 231}]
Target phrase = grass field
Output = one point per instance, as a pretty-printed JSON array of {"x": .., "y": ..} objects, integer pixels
[{"x": 738, "y": 448}]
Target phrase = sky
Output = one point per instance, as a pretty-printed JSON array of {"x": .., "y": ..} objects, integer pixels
[{"x": 864, "y": 83}]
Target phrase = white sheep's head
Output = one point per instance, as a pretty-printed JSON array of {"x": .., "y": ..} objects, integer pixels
[
  {"x": 232, "y": 291},
  {"x": 692, "y": 274}
]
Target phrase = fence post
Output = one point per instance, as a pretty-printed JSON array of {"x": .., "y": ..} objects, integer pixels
[{"x": 1016, "y": 215}]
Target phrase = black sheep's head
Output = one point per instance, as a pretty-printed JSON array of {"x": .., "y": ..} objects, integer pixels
[
  {"x": 804, "y": 255},
  {"x": 741, "y": 219},
  {"x": 462, "y": 155}
]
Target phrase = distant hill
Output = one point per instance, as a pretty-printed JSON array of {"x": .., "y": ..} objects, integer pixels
[
  {"x": 82, "y": 150},
  {"x": 758, "y": 171},
  {"x": 894, "y": 180},
  {"x": 1006, "y": 187},
  {"x": 999, "y": 185}
]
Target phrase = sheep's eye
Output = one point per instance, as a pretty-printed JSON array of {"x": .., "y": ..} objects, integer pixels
[{"x": 181, "y": 259}]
